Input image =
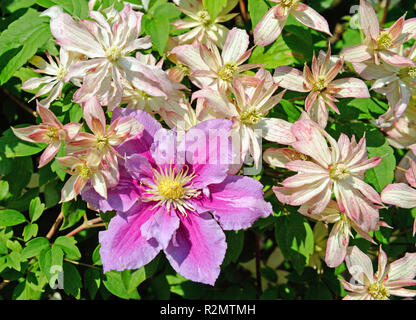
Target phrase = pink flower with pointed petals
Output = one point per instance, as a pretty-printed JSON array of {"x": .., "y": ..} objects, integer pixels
[
  {"x": 51, "y": 131},
  {"x": 103, "y": 139},
  {"x": 338, "y": 239},
  {"x": 107, "y": 46},
  {"x": 209, "y": 67},
  {"x": 84, "y": 168},
  {"x": 401, "y": 194},
  {"x": 178, "y": 207},
  {"x": 338, "y": 169},
  {"x": 380, "y": 44},
  {"x": 319, "y": 82},
  {"x": 248, "y": 110},
  {"x": 56, "y": 72},
  {"x": 271, "y": 25},
  {"x": 203, "y": 27},
  {"x": 389, "y": 280}
]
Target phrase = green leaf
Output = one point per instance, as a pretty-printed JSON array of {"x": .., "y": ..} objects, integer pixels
[
  {"x": 13, "y": 260},
  {"x": 35, "y": 209},
  {"x": 19, "y": 177},
  {"x": 214, "y": 7},
  {"x": 235, "y": 243},
  {"x": 278, "y": 54},
  {"x": 52, "y": 194},
  {"x": 72, "y": 280},
  {"x": 35, "y": 247},
  {"x": 73, "y": 211},
  {"x": 158, "y": 29},
  {"x": 68, "y": 245},
  {"x": 78, "y": 8},
  {"x": 92, "y": 281},
  {"x": 30, "y": 231},
  {"x": 10, "y": 217},
  {"x": 20, "y": 42},
  {"x": 14, "y": 5},
  {"x": 114, "y": 283},
  {"x": 257, "y": 10},
  {"x": 96, "y": 259},
  {"x": 12, "y": 146},
  {"x": 4, "y": 189}
]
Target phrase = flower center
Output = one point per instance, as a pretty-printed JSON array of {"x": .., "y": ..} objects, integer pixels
[
  {"x": 384, "y": 41},
  {"x": 339, "y": 172},
  {"x": 62, "y": 72},
  {"x": 183, "y": 68},
  {"x": 412, "y": 72},
  {"x": 102, "y": 142},
  {"x": 204, "y": 18},
  {"x": 84, "y": 171},
  {"x": 113, "y": 53},
  {"x": 52, "y": 134},
  {"x": 227, "y": 72},
  {"x": 378, "y": 291},
  {"x": 319, "y": 84},
  {"x": 251, "y": 116},
  {"x": 288, "y": 3},
  {"x": 172, "y": 187}
]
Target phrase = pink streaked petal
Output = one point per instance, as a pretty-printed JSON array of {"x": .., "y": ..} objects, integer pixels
[
  {"x": 399, "y": 194},
  {"x": 290, "y": 78},
  {"x": 367, "y": 190},
  {"x": 68, "y": 191},
  {"x": 306, "y": 167},
  {"x": 355, "y": 54},
  {"x": 94, "y": 115},
  {"x": 31, "y": 133},
  {"x": 33, "y": 83},
  {"x": 369, "y": 20},
  {"x": 350, "y": 88},
  {"x": 72, "y": 129},
  {"x": 235, "y": 46},
  {"x": 401, "y": 292},
  {"x": 382, "y": 263},
  {"x": 310, "y": 99},
  {"x": 49, "y": 153},
  {"x": 279, "y": 157},
  {"x": 395, "y": 59},
  {"x": 79, "y": 184},
  {"x": 359, "y": 265},
  {"x": 99, "y": 184},
  {"x": 312, "y": 19},
  {"x": 403, "y": 268},
  {"x": 269, "y": 28},
  {"x": 302, "y": 179},
  {"x": 276, "y": 130},
  {"x": 48, "y": 117},
  {"x": 336, "y": 247}
]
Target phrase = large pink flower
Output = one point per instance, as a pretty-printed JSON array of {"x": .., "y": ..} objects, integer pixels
[
  {"x": 380, "y": 44},
  {"x": 389, "y": 280},
  {"x": 177, "y": 202},
  {"x": 323, "y": 89},
  {"x": 271, "y": 25},
  {"x": 338, "y": 169}
]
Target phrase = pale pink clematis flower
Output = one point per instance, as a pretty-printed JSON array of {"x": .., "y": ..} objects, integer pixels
[
  {"x": 248, "y": 111},
  {"x": 380, "y": 44},
  {"x": 51, "y": 131},
  {"x": 103, "y": 139},
  {"x": 203, "y": 27},
  {"x": 56, "y": 72},
  {"x": 338, "y": 239},
  {"x": 401, "y": 194},
  {"x": 84, "y": 168},
  {"x": 319, "y": 82},
  {"x": 107, "y": 46},
  {"x": 389, "y": 280},
  {"x": 271, "y": 25},
  {"x": 210, "y": 67},
  {"x": 337, "y": 169}
]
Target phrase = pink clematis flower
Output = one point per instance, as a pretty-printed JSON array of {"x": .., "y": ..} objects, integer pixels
[
  {"x": 84, "y": 168},
  {"x": 103, "y": 139},
  {"x": 56, "y": 73},
  {"x": 209, "y": 67},
  {"x": 381, "y": 44},
  {"x": 51, "y": 131},
  {"x": 336, "y": 248},
  {"x": 204, "y": 27},
  {"x": 389, "y": 280},
  {"x": 178, "y": 206},
  {"x": 401, "y": 194},
  {"x": 248, "y": 111},
  {"x": 323, "y": 89},
  {"x": 338, "y": 169},
  {"x": 271, "y": 25},
  {"x": 107, "y": 47}
]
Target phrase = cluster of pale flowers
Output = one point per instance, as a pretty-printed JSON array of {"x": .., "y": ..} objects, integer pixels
[{"x": 163, "y": 204}]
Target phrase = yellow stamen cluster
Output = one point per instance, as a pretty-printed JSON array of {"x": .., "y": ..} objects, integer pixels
[
  {"x": 289, "y": 4},
  {"x": 204, "y": 17},
  {"x": 378, "y": 291},
  {"x": 101, "y": 142},
  {"x": 52, "y": 134},
  {"x": 339, "y": 171},
  {"x": 183, "y": 68},
  {"x": 251, "y": 117},
  {"x": 113, "y": 53},
  {"x": 412, "y": 72},
  {"x": 228, "y": 71},
  {"x": 319, "y": 84},
  {"x": 384, "y": 41},
  {"x": 84, "y": 171},
  {"x": 61, "y": 73},
  {"x": 172, "y": 188}
]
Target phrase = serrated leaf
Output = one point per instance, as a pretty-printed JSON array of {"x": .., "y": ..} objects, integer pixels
[
  {"x": 68, "y": 245},
  {"x": 30, "y": 231},
  {"x": 72, "y": 280},
  {"x": 13, "y": 260},
  {"x": 36, "y": 208},
  {"x": 10, "y": 218},
  {"x": 73, "y": 211},
  {"x": 114, "y": 283},
  {"x": 35, "y": 247},
  {"x": 157, "y": 28}
]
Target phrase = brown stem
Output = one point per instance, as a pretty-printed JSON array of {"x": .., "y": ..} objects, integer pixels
[
  {"x": 19, "y": 102},
  {"x": 81, "y": 264},
  {"x": 243, "y": 10},
  {"x": 55, "y": 225},
  {"x": 258, "y": 259},
  {"x": 385, "y": 13},
  {"x": 297, "y": 98},
  {"x": 86, "y": 225}
]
